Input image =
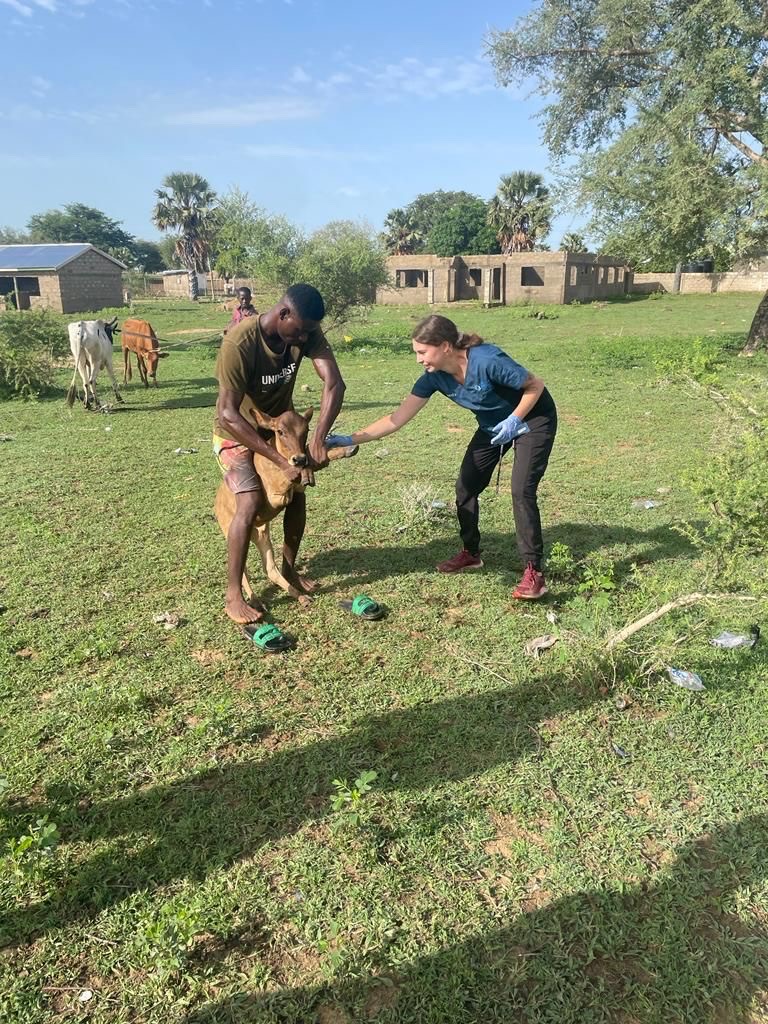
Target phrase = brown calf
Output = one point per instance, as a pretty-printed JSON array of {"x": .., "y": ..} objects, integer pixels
[
  {"x": 289, "y": 436},
  {"x": 138, "y": 336}
]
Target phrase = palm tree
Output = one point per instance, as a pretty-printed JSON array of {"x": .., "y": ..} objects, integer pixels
[
  {"x": 521, "y": 211},
  {"x": 572, "y": 241},
  {"x": 186, "y": 204},
  {"x": 401, "y": 237}
]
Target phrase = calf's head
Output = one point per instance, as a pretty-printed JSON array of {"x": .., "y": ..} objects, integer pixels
[
  {"x": 110, "y": 326},
  {"x": 150, "y": 358},
  {"x": 290, "y": 431}
]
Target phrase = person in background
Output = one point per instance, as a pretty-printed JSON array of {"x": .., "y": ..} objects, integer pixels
[
  {"x": 244, "y": 308},
  {"x": 513, "y": 410}
]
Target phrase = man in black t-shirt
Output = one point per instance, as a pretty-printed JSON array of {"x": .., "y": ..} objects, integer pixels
[{"x": 257, "y": 364}]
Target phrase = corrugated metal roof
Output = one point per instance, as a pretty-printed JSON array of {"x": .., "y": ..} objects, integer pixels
[{"x": 44, "y": 257}]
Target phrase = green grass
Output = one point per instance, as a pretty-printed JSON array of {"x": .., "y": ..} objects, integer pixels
[{"x": 508, "y": 865}]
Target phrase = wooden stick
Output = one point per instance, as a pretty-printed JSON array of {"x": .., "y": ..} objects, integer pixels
[{"x": 681, "y": 602}]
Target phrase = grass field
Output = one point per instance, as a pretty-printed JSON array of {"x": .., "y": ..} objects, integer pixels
[{"x": 570, "y": 840}]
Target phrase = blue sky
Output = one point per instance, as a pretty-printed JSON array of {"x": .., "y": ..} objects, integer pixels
[{"x": 319, "y": 109}]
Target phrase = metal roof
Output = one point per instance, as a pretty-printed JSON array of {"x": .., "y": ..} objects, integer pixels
[{"x": 15, "y": 258}]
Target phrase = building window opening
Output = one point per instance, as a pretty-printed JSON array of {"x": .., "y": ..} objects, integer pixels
[
  {"x": 29, "y": 285},
  {"x": 414, "y": 278},
  {"x": 532, "y": 277},
  {"x": 476, "y": 276}
]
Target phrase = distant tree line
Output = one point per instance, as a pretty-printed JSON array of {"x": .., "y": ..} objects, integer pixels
[{"x": 79, "y": 223}]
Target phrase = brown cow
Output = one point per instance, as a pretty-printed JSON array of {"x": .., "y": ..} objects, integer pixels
[
  {"x": 289, "y": 435},
  {"x": 138, "y": 336}
]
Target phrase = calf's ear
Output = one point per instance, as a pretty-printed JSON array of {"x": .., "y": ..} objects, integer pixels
[
  {"x": 308, "y": 414},
  {"x": 262, "y": 419}
]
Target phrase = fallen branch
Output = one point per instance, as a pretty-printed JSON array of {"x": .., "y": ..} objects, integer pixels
[{"x": 681, "y": 602}]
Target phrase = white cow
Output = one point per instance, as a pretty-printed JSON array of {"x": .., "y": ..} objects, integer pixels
[{"x": 91, "y": 344}]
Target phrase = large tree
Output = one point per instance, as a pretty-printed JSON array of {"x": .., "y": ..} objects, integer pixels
[
  {"x": 401, "y": 237},
  {"x": 407, "y": 230},
  {"x": 186, "y": 205},
  {"x": 463, "y": 229},
  {"x": 79, "y": 223},
  {"x": 572, "y": 241},
  {"x": 688, "y": 79},
  {"x": 521, "y": 211}
]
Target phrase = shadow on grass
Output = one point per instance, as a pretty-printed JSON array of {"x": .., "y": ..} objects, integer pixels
[
  {"x": 189, "y": 828},
  {"x": 673, "y": 949},
  {"x": 371, "y": 564}
]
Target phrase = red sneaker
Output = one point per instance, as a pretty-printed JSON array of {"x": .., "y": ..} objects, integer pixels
[
  {"x": 532, "y": 586},
  {"x": 464, "y": 560}
]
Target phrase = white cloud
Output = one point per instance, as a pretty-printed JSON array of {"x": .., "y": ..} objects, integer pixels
[
  {"x": 348, "y": 190},
  {"x": 407, "y": 77},
  {"x": 18, "y": 7},
  {"x": 299, "y": 76},
  {"x": 39, "y": 86},
  {"x": 277, "y": 109}
]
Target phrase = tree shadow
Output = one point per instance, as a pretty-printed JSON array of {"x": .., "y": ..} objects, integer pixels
[
  {"x": 372, "y": 564},
  {"x": 188, "y": 828},
  {"x": 669, "y": 950}
]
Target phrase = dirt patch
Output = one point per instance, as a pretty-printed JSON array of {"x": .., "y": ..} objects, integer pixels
[
  {"x": 332, "y": 1014},
  {"x": 452, "y": 429},
  {"x": 508, "y": 829},
  {"x": 207, "y": 657},
  {"x": 381, "y": 997}
]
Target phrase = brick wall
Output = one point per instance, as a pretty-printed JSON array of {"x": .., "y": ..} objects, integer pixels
[
  {"x": 89, "y": 283},
  {"x": 691, "y": 284}
]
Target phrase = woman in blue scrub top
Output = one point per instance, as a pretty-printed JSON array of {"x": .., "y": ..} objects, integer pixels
[{"x": 513, "y": 409}]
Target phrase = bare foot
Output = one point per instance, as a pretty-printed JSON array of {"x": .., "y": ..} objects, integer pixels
[
  {"x": 241, "y": 612},
  {"x": 300, "y": 582}
]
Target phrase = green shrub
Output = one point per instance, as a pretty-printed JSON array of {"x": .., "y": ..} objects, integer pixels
[
  {"x": 733, "y": 492},
  {"x": 30, "y": 342}
]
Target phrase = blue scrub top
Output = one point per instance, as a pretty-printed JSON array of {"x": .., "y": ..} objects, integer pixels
[{"x": 491, "y": 390}]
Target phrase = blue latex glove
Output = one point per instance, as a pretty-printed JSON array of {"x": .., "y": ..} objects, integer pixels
[
  {"x": 339, "y": 441},
  {"x": 509, "y": 429}
]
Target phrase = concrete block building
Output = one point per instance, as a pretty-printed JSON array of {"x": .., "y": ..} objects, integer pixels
[
  {"x": 67, "y": 278},
  {"x": 541, "y": 277}
]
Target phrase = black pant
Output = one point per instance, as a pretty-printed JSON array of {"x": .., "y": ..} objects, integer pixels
[{"x": 531, "y": 457}]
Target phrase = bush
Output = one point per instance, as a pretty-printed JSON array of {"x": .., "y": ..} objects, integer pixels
[
  {"x": 30, "y": 342},
  {"x": 346, "y": 262},
  {"x": 733, "y": 493}
]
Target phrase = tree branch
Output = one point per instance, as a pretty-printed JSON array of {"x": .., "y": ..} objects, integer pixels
[
  {"x": 681, "y": 602},
  {"x": 743, "y": 148}
]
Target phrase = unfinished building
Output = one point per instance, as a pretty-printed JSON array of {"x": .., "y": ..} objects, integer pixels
[{"x": 545, "y": 277}]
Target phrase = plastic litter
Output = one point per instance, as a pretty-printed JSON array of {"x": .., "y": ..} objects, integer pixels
[
  {"x": 382, "y": 453},
  {"x": 645, "y": 503},
  {"x": 552, "y": 617},
  {"x": 85, "y": 996},
  {"x": 438, "y": 504},
  {"x": 620, "y": 751},
  {"x": 621, "y": 703},
  {"x": 728, "y": 640},
  {"x": 688, "y": 680},
  {"x": 168, "y": 620},
  {"x": 185, "y": 451},
  {"x": 6, "y": 437},
  {"x": 540, "y": 643}
]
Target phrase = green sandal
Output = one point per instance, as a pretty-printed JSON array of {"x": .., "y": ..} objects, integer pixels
[
  {"x": 267, "y": 637},
  {"x": 363, "y": 607}
]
